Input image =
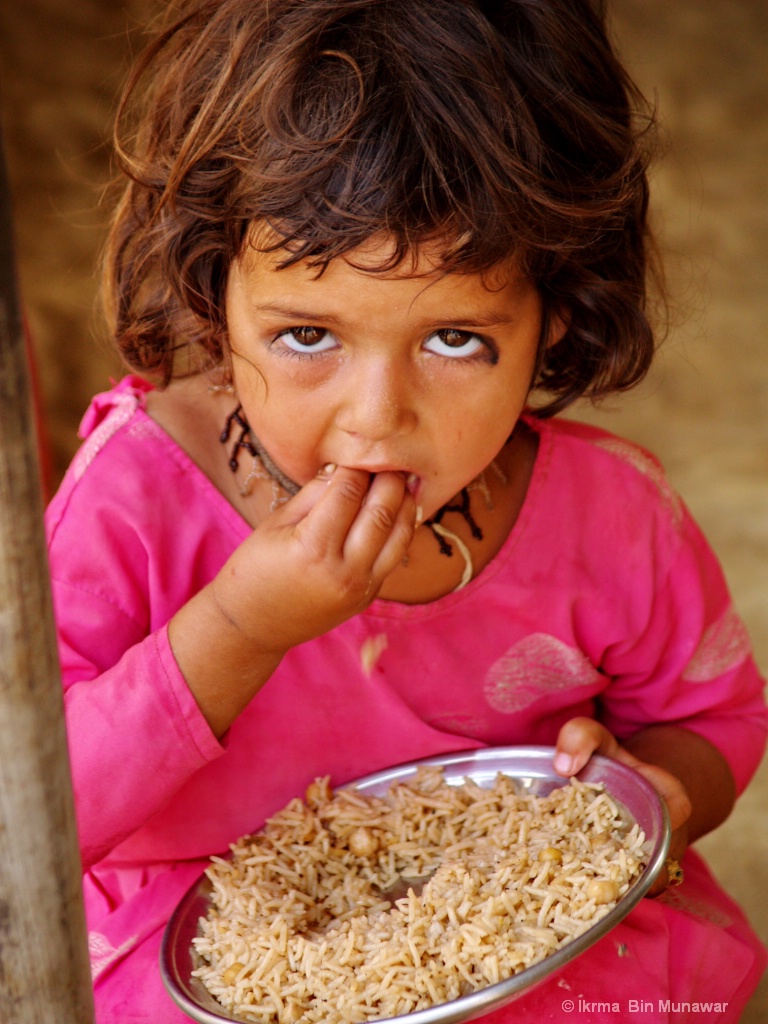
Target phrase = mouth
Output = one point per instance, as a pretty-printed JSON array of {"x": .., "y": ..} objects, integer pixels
[
  {"x": 412, "y": 480},
  {"x": 413, "y": 483}
]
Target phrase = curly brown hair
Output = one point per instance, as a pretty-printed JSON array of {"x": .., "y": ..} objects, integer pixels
[{"x": 498, "y": 129}]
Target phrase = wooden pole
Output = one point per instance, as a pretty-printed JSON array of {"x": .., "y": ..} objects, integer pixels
[{"x": 44, "y": 971}]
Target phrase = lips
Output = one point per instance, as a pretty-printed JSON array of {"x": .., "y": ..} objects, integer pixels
[
  {"x": 412, "y": 483},
  {"x": 412, "y": 480}
]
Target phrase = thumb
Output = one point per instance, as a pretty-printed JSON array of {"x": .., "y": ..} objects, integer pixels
[
  {"x": 300, "y": 504},
  {"x": 578, "y": 740}
]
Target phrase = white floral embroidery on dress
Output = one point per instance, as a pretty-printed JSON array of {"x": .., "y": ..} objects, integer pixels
[
  {"x": 460, "y": 724},
  {"x": 535, "y": 666},
  {"x": 123, "y": 407},
  {"x": 645, "y": 464},
  {"x": 724, "y": 646},
  {"x": 103, "y": 953}
]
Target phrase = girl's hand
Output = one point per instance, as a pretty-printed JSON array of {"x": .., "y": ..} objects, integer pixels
[
  {"x": 581, "y": 737},
  {"x": 319, "y": 559},
  {"x": 315, "y": 562}
]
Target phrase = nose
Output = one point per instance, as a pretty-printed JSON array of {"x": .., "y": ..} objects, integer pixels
[{"x": 378, "y": 401}]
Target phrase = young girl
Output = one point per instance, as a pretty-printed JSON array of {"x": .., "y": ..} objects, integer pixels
[{"x": 366, "y": 250}]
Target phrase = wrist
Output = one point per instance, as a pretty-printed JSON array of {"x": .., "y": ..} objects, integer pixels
[
  {"x": 222, "y": 666},
  {"x": 702, "y": 772}
]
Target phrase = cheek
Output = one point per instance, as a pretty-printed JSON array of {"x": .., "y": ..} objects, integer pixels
[
  {"x": 292, "y": 427},
  {"x": 489, "y": 414},
  {"x": 466, "y": 443},
  {"x": 481, "y": 430},
  {"x": 251, "y": 386}
]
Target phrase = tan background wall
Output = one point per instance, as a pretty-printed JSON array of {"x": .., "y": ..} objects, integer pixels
[{"x": 704, "y": 410}]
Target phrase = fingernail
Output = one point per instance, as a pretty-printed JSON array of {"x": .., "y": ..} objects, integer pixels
[
  {"x": 563, "y": 763},
  {"x": 327, "y": 469},
  {"x": 412, "y": 483},
  {"x": 419, "y": 515}
]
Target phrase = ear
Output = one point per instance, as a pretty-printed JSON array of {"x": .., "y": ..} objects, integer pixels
[{"x": 559, "y": 322}]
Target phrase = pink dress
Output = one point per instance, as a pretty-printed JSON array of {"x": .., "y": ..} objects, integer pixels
[{"x": 604, "y": 600}]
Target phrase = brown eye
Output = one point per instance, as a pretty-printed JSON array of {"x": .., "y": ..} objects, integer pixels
[
  {"x": 453, "y": 343},
  {"x": 454, "y": 339},
  {"x": 307, "y": 335},
  {"x": 307, "y": 340}
]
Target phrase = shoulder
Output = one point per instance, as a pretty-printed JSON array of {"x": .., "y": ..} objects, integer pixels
[
  {"x": 94, "y": 521},
  {"x": 590, "y": 462},
  {"x": 595, "y": 443},
  {"x": 604, "y": 504},
  {"x": 133, "y": 507},
  {"x": 122, "y": 454},
  {"x": 132, "y": 492}
]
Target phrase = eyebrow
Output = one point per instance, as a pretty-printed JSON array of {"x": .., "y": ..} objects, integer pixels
[
  {"x": 310, "y": 317},
  {"x": 296, "y": 316}
]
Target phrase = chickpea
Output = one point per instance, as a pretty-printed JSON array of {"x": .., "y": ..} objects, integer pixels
[
  {"x": 551, "y": 854},
  {"x": 604, "y": 839},
  {"x": 230, "y": 975},
  {"x": 362, "y": 842},
  {"x": 602, "y": 890},
  {"x": 318, "y": 792}
]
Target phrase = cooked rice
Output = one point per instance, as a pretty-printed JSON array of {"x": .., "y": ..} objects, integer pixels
[{"x": 299, "y": 928}]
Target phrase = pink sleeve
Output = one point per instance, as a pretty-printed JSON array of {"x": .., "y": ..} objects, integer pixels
[
  {"x": 691, "y": 662},
  {"x": 135, "y": 732}
]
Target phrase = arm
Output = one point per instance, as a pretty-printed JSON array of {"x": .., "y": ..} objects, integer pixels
[
  {"x": 135, "y": 733},
  {"x": 697, "y": 765},
  {"x": 134, "y": 722},
  {"x": 685, "y": 702},
  {"x": 310, "y": 566}
]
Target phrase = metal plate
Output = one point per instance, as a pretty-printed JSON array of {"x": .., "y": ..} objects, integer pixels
[{"x": 532, "y": 768}]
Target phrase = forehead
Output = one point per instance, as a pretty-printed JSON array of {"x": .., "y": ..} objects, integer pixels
[{"x": 265, "y": 256}]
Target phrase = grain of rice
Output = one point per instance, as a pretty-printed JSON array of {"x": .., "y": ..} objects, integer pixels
[{"x": 318, "y": 942}]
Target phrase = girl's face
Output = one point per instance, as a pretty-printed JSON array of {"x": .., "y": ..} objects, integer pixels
[{"x": 414, "y": 371}]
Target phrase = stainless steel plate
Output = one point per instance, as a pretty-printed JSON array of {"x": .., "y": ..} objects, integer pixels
[{"x": 532, "y": 768}]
